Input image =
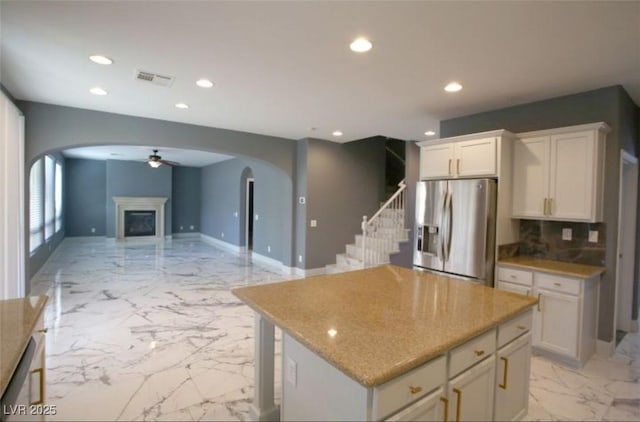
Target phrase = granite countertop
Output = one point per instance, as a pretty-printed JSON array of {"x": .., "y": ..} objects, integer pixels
[
  {"x": 555, "y": 267},
  {"x": 18, "y": 318},
  {"x": 378, "y": 323}
]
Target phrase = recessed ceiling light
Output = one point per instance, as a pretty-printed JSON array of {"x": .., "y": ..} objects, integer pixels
[
  {"x": 361, "y": 45},
  {"x": 337, "y": 133},
  {"x": 453, "y": 87},
  {"x": 429, "y": 133},
  {"x": 182, "y": 105},
  {"x": 96, "y": 58},
  {"x": 204, "y": 83},
  {"x": 97, "y": 91}
]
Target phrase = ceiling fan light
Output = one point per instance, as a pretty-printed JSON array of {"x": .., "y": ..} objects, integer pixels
[{"x": 154, "y": 164}]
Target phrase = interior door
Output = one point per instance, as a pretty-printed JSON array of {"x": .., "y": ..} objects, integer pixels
[{"x": 427, "y": 249}]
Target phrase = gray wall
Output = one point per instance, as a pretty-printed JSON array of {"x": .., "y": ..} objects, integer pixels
[
  {"x": 85, "y": 195},
  {"x": 300, "y": 222},
  {"x": 222, "y": 192},
  {"x": 412, "y": 173},
  {"x": 54, "y": 128},
  {"x": 186, "y": 199},
  {"x": 611, "y": 105},
  {"x": 130, "y": 178},
  {"x": 344, "y": 182}
]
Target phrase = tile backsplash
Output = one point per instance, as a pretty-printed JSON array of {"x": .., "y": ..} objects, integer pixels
[{"x": 543, "y": 239}]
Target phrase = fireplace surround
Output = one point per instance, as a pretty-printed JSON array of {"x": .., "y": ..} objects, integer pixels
[{"x": 139, "y": 203}]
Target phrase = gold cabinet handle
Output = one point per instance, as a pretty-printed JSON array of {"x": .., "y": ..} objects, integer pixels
[
  {"x": 550, "y": 206},
  {"x": 445, "y": 401},
  {"x": 504, "y": 375},
  {"x": 415, "y": 390},
  {"x": 513, "y": 276},
  {"x": 479, "y": 352},
  {"x": 458, "y": 166},
  {"x": 522, "y": 327},
  {"x": 539, "y": 302},
  {"x": 40, "y": 372},
  {"x": 458, "y": 403},
  {"x": 557, "y": 284},
  {"x": 44, "y": 330},
  {"x": 544, "y": 211},
  {"x": 450, "y": 166}
]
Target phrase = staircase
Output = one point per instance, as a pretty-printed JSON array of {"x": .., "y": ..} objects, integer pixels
[{"x": 381, "y": 237}]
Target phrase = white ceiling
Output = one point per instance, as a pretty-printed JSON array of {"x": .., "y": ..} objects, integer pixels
[
  {"x": 184, "y": 157},
  {"x": 282, "y": 68}
]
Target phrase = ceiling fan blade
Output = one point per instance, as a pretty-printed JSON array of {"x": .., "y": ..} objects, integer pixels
[{"x": 169, "y": 163}]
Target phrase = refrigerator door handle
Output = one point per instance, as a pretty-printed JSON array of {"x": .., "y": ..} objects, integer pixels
[
  {"x": 449, "y": 224},
  {"x": 446, "y": 227}
]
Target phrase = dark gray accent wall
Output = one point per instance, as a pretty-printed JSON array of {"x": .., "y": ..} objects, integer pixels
[
  {"x": 611, "y": 105},
  {"x": 222, "y": 210},
  {"x": 85, "y": 195},
  {"x": 131, "y": 178},
  {"x": 185, "y": 192},
  {"x": 344, "y": 182},
  {"x": 54, "y": 128},
  {"x": 412, "y": 173}
]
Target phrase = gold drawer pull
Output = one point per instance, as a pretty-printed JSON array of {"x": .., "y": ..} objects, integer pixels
[
  {"x": 557, "y": 284},
  {"x": 539, "y": 302},
  {"x": 458, "y": 166},
  {"x": 458, "y": 403},
  {"x": 513, "y": 276},
  {"x": 504, "y": 376},
  {"x": 522, "y": 327},
  {"x": 44, "y": 330},
  {"x": 445, "y": 401},
  {"x": 450, "y": 166},
  {"x": 479, "y": 352},
  {"x": 40, "y": 372},
  {"x": 415, "y": 390}
]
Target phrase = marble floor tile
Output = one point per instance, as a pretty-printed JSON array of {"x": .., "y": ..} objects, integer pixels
[{"x": 145, "y": 331}]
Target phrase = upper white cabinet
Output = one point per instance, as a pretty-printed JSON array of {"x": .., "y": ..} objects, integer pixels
[
  {"x": 462, "y": 156},
  {"x": 558, "y": 174}
]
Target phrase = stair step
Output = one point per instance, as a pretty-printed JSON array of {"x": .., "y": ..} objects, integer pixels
[{"x": 348, "y": 261}]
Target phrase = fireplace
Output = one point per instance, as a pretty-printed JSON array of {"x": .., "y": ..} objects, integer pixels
[
  {"x": 139, "y": 217},
  {"x": 139, "y": 223}
]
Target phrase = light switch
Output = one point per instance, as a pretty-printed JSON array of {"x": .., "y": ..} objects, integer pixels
[
  {"x": 593, "y": 236},
  {"x": 302, "y": 200},
  {"x": 299, "y": 258},
  {"x": 269, "y": 248},
  {"x": 257, "y": 216},
  {"x": 567, "y": 234},
  {"x": 235, "y": 214},
  {"x": 313, "y": 223}
]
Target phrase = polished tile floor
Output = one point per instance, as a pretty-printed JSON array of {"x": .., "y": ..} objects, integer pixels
[{"x": 151, "y": 332}]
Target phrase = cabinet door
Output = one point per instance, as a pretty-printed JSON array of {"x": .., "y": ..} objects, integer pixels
[
  {"x": 430, "y": 408},
  {"x": 571, "y": 186},
  {"x": 514, "y": 288},
  {"x": 475, "y": 158},
  {"x": 556, "y": 322},
  {"x": 436, "y": 161},
  {"x": 471, "y": 393},
  {"x": 530, "y": 176},
  {"x": 512, "y": 379}
]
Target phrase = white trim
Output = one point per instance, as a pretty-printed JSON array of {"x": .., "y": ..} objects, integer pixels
[
  {"x": 602, "y": 126},
  {"x": 634, "y": 325},
  {"x": 605, "y": 348},
  {"x": 188, "y": 235},
  {"x": 220, "y": 243},
  {"x": 138, "y": 203},
  {"x": 488, "y": 134},
  {"x": 310, "y": 272}
]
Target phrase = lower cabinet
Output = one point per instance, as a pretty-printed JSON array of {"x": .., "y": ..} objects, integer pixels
[
  {"x": 512, "y": 379},
  {"x": 556, "y": 323},
  {"x": 471, "y": 393},
  {"x": 433, "y": 407}
]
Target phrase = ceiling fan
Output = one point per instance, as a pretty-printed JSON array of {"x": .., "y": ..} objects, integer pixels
[{"x": 156, "y": 161}]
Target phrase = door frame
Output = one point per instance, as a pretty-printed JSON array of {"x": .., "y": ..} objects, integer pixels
[
  {"x": 628, "y": 188},
  {"x": 246, "y": 213}
]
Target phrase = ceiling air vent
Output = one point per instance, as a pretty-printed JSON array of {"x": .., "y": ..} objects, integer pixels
[{"x": 154, "y": 78}]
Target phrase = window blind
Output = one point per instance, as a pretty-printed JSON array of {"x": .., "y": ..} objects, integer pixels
[
  {"x": 36, "y": 206},
  {"x": 58, "y": 197},
  {"x": 49, "y": 197}
]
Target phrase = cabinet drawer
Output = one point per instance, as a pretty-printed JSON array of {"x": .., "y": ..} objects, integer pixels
[
  {"x": 399, "y": 392},
  {"x": 514, "y": 328},
  {"x": 471, "y": 352},
  {"x": 515, "y": 276},
  {"x": 560, "y": 284}
]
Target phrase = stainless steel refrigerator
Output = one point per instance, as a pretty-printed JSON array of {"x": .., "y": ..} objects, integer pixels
[{"x": 455, "y": 227}]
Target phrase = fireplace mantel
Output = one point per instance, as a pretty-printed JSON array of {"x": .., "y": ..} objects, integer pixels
[{"x": 139, "y": 203}]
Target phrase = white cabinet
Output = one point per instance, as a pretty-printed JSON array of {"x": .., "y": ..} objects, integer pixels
[
  {"x": 471, "y": 393},
  {"x": 512, "y": 379},
  {"x": 564, "y": 322},
  {"x": 430, "y": 408},
  {"x": 466, "y": 156},
  {"x": 558, "y": 174}
]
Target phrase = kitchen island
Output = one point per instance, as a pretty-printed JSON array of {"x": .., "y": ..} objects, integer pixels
[{"x": 390, "y": 343}]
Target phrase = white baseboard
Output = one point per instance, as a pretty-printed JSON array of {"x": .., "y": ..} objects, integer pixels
[
  {"x": 86, "y": 237},
  {"x": 634, "y": 325},
  {"x": 310, "y": 272},
  {"x": 605, "y": 348},
  {"x": 221, "y": 243},
  {"x": 190, "y": 235}
]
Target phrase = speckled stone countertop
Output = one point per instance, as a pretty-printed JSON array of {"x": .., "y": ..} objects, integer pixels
[
  {"x": 386, "y": 320},
  {"x": 555, "y": 267},
  {"x": 18, "y": 318}
]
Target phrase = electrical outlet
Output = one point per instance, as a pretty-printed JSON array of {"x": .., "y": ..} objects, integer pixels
[
  {"x": 257, "y": 216},
  {"x": 313, "y": 223},
  {"x": 302, "y": 200},
  {"x": 222, "y": 234},
  {"x": 593, "y": 236},
  {"x": 235, "y": 214},
  {"x": 191, "y": 227},
  {"x": 181, "y": 228},
  {"x": 93, "y": 229},
  {"x": 567, "y": 234},
  {"x": 292, "y": 372},
  {"x": 269, "y": 248},
  {"x": 299, "y": 258}
]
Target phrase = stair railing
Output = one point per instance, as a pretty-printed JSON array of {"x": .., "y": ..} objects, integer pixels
[{"x": 369, "y": 226}]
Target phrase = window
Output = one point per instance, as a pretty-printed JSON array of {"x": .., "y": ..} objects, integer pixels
[
  {"x": 49, "y": 197},
  {"x": 58, "y": 197},
  {"x": 36, "y": 206}
]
